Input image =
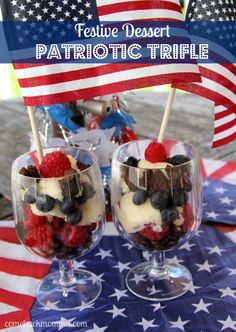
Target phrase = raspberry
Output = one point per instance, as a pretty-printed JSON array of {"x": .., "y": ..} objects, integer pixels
[
  {"x": 54, "y": 164},
  {"x": 40, "y": 236},
  {"x": 74, "y": 236},
  {"x": 150, "y": 234},
  {"x": 188, "y": 217},
  {"x": 31, "y": 219},
  {"x": 155, "y": 152}
]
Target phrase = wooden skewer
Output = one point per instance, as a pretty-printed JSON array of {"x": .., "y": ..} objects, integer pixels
[
  {"x": 166, "y": 116},
  {"x": 34, "y": 128}
]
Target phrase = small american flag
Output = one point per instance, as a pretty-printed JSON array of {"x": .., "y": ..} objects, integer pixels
[
  {"x": 218, "y": 78},
  {"x": 57, "y": 83}
]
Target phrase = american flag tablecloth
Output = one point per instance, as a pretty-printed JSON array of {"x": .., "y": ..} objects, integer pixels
[{"x": 210, "y": 305}]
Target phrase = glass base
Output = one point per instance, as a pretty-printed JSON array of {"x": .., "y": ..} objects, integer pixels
[
  {"x": 85, "y": 289},
  {"x": 171, "y": 282}
]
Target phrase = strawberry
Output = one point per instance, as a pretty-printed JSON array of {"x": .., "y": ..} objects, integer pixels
[
  {"x": 32, "y": 220},
  {"x": 40, "y": 237},
  {"x": 54, "y": 164},
  {"x": 155, "y": 152},
  {"x": 74, "y": 236},
  {"x": 152, "y": 235}
]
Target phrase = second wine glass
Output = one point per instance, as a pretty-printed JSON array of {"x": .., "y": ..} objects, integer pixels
[{"x": 156, "y": 207}]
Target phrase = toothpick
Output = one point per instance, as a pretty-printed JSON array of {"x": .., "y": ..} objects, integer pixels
[
  {"x": 34, "y": 128},
  {"x": 166, "y": 116}
]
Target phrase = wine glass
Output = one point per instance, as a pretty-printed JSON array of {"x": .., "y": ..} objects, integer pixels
[
  {"x": 156, "y": 207},
  {"x": 60, "y": 218}
]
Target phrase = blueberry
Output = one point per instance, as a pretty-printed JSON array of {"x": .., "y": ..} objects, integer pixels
[
  {"x": 87, "y": 193},
  {"x": 45, "y": 203},
  {"x": 178, "y": 159},
  {"x": 140, "y": 197},
  {"x": 74, "y": 217},
  {"x": 30, "y": 196},
  {"x": 179, "y": 198},
  {"x": 132, "y": 161},
  {"x": 68, "y": 205},
  {"x": 168, "y": 216},
  {"x": 159, "y": 199}
]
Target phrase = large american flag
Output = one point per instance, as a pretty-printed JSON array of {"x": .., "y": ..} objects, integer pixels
[
  {"x": 56, "y": 83},
  {"x": 218, "y": 78}
]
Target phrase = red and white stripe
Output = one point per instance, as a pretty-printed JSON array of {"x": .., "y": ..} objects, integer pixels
[
  {"x": 225, "y": 125},
  {"x": 20, "y": 273},
  {"x": 48, "y": 84}
]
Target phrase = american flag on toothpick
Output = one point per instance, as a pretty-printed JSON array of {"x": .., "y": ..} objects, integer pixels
[
  {"x": 218, "y": 78},
  {"x": 57, "y": 83}
]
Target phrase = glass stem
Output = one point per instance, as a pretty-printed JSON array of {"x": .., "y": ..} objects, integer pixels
[
  {"x": 67, "y": 278},
  {"x": 158, "y": 268}
]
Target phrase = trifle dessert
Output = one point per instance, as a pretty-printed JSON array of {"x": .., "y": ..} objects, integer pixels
[
  {"x": 155, "y": 207},
  {"x": 156, "y": 198},
  {"x": 59, "y": 210},
  {"x": 60, "y": 205}
]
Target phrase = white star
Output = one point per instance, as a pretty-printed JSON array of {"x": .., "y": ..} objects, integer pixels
[
  {"x": 220, "y": 190},
  {"x": 227, "y": 292},
  {"x": 96, "y": 328},
  {"x": 39, "y": 17},
  {"x": 53, "y": 15},
  {"x": 59, "y": 9},
  {"x": 50, "y": 306},
  {"x": 206, "y": 183},
  {"x": 85, "y": 306},
  {"x": 179, "y": 323},
  {"x": 226, "y": 200},
  {"x": 75, "y": 19},
  {"x": 30, "y": 12},
  {"x": 215, "y": 250},
  {"x": 87, "y": 5},
  {"x": 232, "y": 272},
  {"x": 63, "y": 322},
  {"x": 175, "y": 260},
  {"x": 198, "y": 233},
  {"x": 24, "y": 19},
  {"x": 65, "y": 2},
  {"x": 22, "y": 7},
  {"x": 14, "y": 2},
  {"x": 137, "y": 278},
  {"x": 147, "y": 255},
  {"x": 79, "y": 265},
  {"x": 67, "y": 14},
  {"x": 228, "y": 323},
  {"x": 156, "y": 306},
  {"x": 89, "y": 16},
  {"x": 232, "y": 212},
  {"x": 146, "y": 324},
  {"x": 205, "y": 266},
  {"x": 45, "y": 10},
  {"x": 16, "y": 15},
  {"x": 104, "y": 253},
  {"x": 51, "y": 3},
  {"x": 81, "y": 12},
  {"x": 201, "y": 306},
  {"x": 73, "y": 7},
  {"x": 20, "y": 39},
  {"x": 212, "y": 215},
  {"x": 187, "y": 246},
  {"x": 96, "y": 278},
  {"x": 153, "y": 290},
  {"x": 187, "y": 287},
  {"x": 128, "y": 245},
  {"x": 122, "y": 266},
  {"x": 192, "y": 288},
  {"x": 119, "y": 293},
  {"x": 37, "y": 5},
  {"x": 117, "y": 312}
]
